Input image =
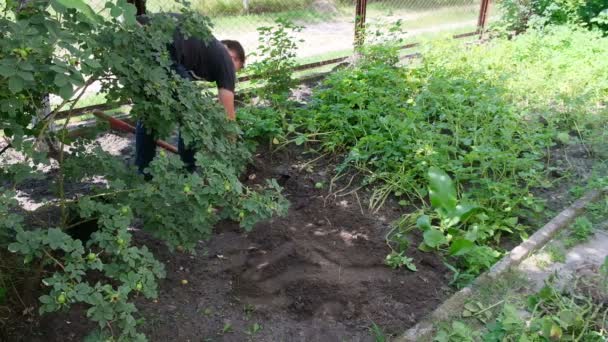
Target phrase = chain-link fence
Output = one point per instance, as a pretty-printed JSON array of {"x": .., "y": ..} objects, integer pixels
[
  {"x": 328, "y": 25},
  {"x": 422, "y": 19}
]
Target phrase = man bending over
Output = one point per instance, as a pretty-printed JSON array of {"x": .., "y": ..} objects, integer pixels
[{"x": 193, "y": 59}]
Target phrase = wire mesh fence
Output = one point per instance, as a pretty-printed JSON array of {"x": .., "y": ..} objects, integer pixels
[
  {"x": 328, "y": 25},
  {"x": 426, "y": 18}
]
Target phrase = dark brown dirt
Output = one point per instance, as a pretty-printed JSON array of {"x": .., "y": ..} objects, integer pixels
[{"x": 315, "y": 275}]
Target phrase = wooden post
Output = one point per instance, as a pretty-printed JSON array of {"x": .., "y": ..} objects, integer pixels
[
  {"x": 360, "y": 11},
  {"x": 483, "y": 15}
]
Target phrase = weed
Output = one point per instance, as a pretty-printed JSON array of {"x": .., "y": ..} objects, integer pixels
[
  {"x": 208, "y": 312},
  {"x": 457, "y": 332},
  {"x": 556, "y": 253},
  {"x": 397, "y": 260},
  {"x": 248, "y": 309},
  {"x": 377, "y": 333},
  {"x": 227, "y": 328},
  {"x": 253, "y": 329},
  {"x": 551, "y": 316},
  {"x": 580, "y": 231}
]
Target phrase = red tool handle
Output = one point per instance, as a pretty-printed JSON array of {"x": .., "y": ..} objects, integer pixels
[{"x": 120, "y": 125}]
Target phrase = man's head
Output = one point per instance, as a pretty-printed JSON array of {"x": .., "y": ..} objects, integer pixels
[{"x": 237, "y": 53}]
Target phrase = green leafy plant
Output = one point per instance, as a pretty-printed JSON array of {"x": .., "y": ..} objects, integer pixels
[
  {"x": 272, "y": 80},
  {"x": 491, "y": 124},
  {"x": 253, "y": 329},
  {"x": 555, "y": 316},
  {"x": 581, "y": 230},
  {"x": 63, "y": 47},
  {"x": 460, "y": 225},
  {"x": 604, "y": 274},
  {"x": 397, "y": 260},
  {"x": 378, "y": 333},
  {"x": 273, "y": 72},
  {"x": 518, "y": 15},
  {"x": 457, "y": 332}
]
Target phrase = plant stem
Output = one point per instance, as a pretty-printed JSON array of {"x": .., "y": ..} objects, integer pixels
[
  {"x": 489, "y": 307},
  {"x": 61, "y": 176},
  {"x": 55, "y": 260}
]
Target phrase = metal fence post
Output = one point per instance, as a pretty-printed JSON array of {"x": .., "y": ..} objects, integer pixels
[
  {"x": 360, "y": 12},
  {"x": 483, "y": 14}
]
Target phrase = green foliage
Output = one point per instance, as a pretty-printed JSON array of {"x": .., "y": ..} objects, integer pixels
[
  {"x": 555, "y": 317},
  {"x": 581, "y": 230},
  {"x": 62, "y": 47},
  {"x": 604, "y": 274},
  {"x": 397, "y": 260},
  {"x": 132, "y": 269},
  {"x": 457, "y": 332},
  {"x": 233, "y": 7},
  {"x": 549, "y": 315},
  {"x": 462, "y": 230},
  {"x": 9, "y": 221},
  {"x": 378, "y": 333},
  {"x": 556, "y": 253},
  {"x": 272, "y": 78},
  {"x": 276, "y": 51},
  {"x": 486, "y": 114},
  {"x": 518, "y": 15}
]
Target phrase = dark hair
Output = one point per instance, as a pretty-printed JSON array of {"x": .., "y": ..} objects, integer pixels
[{"x": 236, "y": 47}]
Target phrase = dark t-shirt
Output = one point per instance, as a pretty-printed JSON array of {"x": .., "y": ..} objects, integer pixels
[{"x": 209, "y": 61}]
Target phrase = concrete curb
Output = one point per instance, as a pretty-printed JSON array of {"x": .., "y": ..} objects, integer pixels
[{"x": 423, "y": 331}]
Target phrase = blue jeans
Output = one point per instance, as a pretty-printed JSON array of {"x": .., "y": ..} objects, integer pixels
[{"x": 145, "y": 141}]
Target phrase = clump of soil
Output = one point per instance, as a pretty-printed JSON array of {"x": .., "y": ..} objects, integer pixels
[{"x": 317, "y": 274}]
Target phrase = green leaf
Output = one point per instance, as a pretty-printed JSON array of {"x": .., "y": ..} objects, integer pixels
[
  {"x": 434, "y": 238},
  {"x": 441, "y": 190},
  {"x": 81, "y": 7},
  {"x": 116, "y": 12},
  {"x": 462, "y": 212},
  {"x": 15, "y": 84},
  {"x": 460, "y": 246},
  {"x": 61, "y": 80},
  {"x": 66, "y": 92},
  {"x": 511, "y": 221},
  {"x": 7, "y": 71},
  {"x": 55, "y": 238},
  {"x": 424, "y": 222},
  {"x": 567, "y": 318},
  {"x": 300, "y": 139},
  {"x": 555, "y": 333},
  {"x": 129, "y": 12},
  {"x": 473, "y": 306},
  {"x": 27, "y": 76}
]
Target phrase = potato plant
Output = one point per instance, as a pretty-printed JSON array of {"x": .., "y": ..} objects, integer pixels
[
  {"x": 62, "y": 47},
  {"x": 488, "y": 115}
]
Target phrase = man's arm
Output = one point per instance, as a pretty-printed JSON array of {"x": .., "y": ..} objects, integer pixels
[{"x": 226, "y": 98}]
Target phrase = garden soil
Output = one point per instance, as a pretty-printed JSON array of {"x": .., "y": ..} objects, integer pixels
[{"x": 317, "y": 274}]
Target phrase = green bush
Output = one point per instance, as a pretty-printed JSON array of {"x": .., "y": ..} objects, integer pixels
[
  {"x": 487, "y": 115},
  {"x": 179, "y": 207},
  {"x": 518, "y": 15},
  {"x": 235, "y": 7}
]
